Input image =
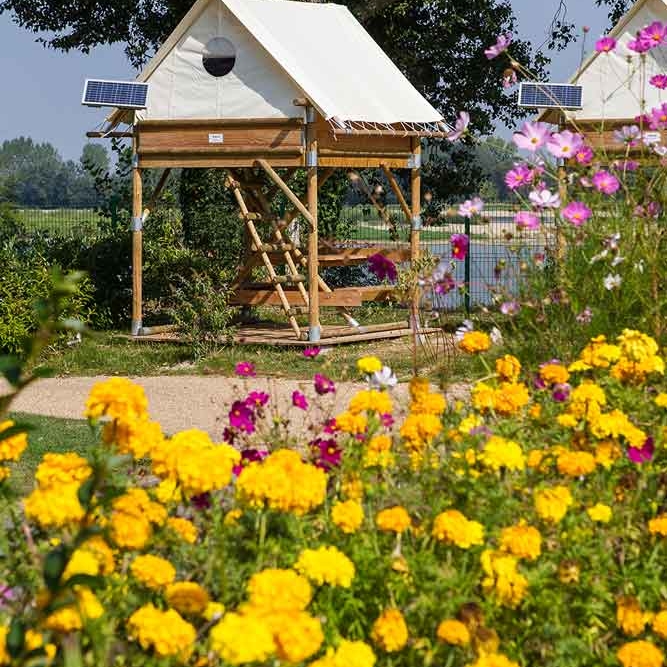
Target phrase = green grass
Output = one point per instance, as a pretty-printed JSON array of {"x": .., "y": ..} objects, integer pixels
[{"x": 48, "y": 434}]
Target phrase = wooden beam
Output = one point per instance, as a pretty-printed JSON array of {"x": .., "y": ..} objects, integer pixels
[
  {"x": 230, "y": 122},
  {"x": 109, "y": 135},
  {"x": 415, "y": 185},
  {"x": 224, "y": 150},
  {"x": 391, "y": 133},
  {"x": 397, "y": 191},
  {"x": 137, "y": 248},
  {"x": 220, "y": 161},
  {"x": 156, "y": 193},
  {"x": 315, "y": 329},
  {"x": 287, "y": 191},
  {"x": 244, "y": 296}
]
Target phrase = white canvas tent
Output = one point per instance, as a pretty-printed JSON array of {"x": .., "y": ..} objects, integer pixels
[
  {"x": 284, "y": 50},
  {"x": 615, "y": 84}
]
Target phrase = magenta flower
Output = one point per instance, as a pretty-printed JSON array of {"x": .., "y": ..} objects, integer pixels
[
  {"x": 527, "y": 220},
  {"x": 323, "y": 385},
  {"x": 382, "y": 267},
  {"x": 245, "y": 369},
  {"x": 625, "y": 165},
  {"x": 311, "y": 352},
  {"x": 241, "y": 417},
  {"x": 257, "y": 399},
  {"x": 518, "y": 176},
  {"x": 657, "y": 119},
  {"x": 445, "y": 284},
  {"x": 330, "y": 426},
  {"x": 460, "y": 245},
  {"x": 499, "y": 47},
  {"x": 605, "y": 45},
  {"x": 659, "y": 81},
  {"x": 584, "y": 155},
  {"x": 327, "y": 451},
  {"x": 642, "y": 454},
  {"x": 461, "y": 126},
  {"x": 471, "y": 207},
  {"x": 510, "y": 308},
  {"x": 387, "y": 420},
  {"x": 565, "y": 144},
  {"x": 544, "y": 199},
  {"x": 561, "y": 392},
  {"x": 249, "y": 456},
  {"x": 639, "y": 45},
  {"x": 653, "y": 34},
  {"x": 576, "y": 213},
  {"x": 532, "y": 136},
  {"x": 605, "y": 182},
  {"x": 299, "y": 400}
]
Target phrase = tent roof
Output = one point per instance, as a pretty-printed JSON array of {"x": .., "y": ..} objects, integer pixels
[{"x": 328, "y": 55}]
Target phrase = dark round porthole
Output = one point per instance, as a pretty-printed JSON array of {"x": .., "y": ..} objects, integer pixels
[{"x": 219, "y": 57}]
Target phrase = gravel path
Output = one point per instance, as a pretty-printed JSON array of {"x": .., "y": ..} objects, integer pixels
[{"x": 182, "y": 402}]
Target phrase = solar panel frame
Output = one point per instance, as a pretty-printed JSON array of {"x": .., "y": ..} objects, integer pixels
[
  {"x": 550, "y": 95},
  {"x": 113, "y": 93}
]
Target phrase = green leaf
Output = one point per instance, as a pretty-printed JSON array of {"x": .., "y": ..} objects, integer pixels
[
  {"x": 54, "y": 566},
  {"x": 85, "y": 492},
  {"x": 15, "y": 638},
  {"x": 11, "y": 368},
  {"x": 88, "y": 580}
]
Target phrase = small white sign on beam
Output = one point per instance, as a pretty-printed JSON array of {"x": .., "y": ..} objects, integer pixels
[{"x": 216, "y": 138}]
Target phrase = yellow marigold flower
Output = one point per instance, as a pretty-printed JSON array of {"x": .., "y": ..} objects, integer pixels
[
  {"x": 552, "y": 504},
  {"x": 535, "y": 411},
  {"x": 168, "y": 491},
  {"x": 137, "y": 501},
  {"x": 101, "y": 551},
  {"x": 5, "y": 659},
  {"x": 474, "y": 342},
  {"x": 82, "y": 562},
  {"x": 283, "y": 482},
  {"x": 453, "y": 632},
  {"x": 535, "y": 458},
  {"x": 606, "y": 453},
  {"x": 166, "y": 632},
  {"x": 588, "y": 392},
  {"x": 394, "y": 519},
  {"x": 232, "y": 517},
  {"x": 54, "y": 507},
  {"x": 454, "y": 528},
  {"x": 429, "y": 403},
  {"x": 280, "y": 591},
  {"x": 636, "y": 372},
  {"x": 371, "y": 400},
  {"x": 153, "y": 571},
  {"x": 353, "y": 654},
  {"x": 369, "y": 365},
  {"x": 348, "y": 516},
  {"x": 56, "y": 470},
  {"x": 353, "y": 488},
  {"x": 521, "y": 541},
  {"x": 351, "y": 423},
  {"x": 483, "y": 396},
  {"x": 378, "y": 452},
  {"x": 600, "y": 513},
  {"x": 326, "y": 565},
  {"x": 658, "y": 526},
  {"x": 242, "y": 638},
  {"x": 629, "y": 616},
  {"x": 659, "y": 624},
  {"x": 72, "y": 617},
  {"x": 136, "y": 436},
  {"x": 508, "y": 368},
  {"x": 11, "y": 448},
  {"x": 615, "y": 424},
  {"x": 130, "y": 531},
  {"x": 554, "y": 374},
  {"x": 637, "y": 346},
  {"x": 297, "y": 636},
  {"x": 567, "y": 420},
  {"x": 419, "y": 430},
  {"x": 501, "y": 453},
  {"x": 470, "y": 423},
  {"x": 493, "y": 660},
  {"x": 599, "y": 354},
  {"x": 117, "y": 398},
  {"x": 390, "y": 631},
  {"x": 510, "y": 397},
  {"x": 214, "y": 611},
  {"x": 186, "y": 529},
  {"x": 419, "y": 387},
  {"x": 661, "y": 400},
  {"x": 503, "y": 578},
  {"x": 640, "y": 654},
  {"x": 575, "y": 464},
  {"x": 187, "y": 597},
  {"x": 192, "y": 459}
]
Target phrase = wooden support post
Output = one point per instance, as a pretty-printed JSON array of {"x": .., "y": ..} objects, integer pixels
[
  {"x": 398, "y": 192},
  {"x": 286, "y": 189},
  {"x": 137, "y": 245},
  {"x": 156, "y": 193},
  {"x": 315, "y": 330},
  {"x": 415, "y": 251}
]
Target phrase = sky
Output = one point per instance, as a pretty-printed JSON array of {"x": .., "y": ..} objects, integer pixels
[{"x": 41, "y": 88}]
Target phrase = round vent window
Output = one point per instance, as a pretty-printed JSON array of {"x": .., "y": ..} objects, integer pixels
[{"x": 219, "y": 57}]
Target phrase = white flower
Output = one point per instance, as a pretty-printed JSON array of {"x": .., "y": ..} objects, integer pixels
[
  {"x": 612, "y": 281},
  {"x": 463, "y": 330},
  {"x": 544, "y": 199},
  {"x": 599, "y": 256},
  {"x": 617, "y": 260},
  {"x": 660, "y": 150},
  {"x": 496, "y": 336},
  {"x": 639, "y": 266},
  {"x": 383, "y": 378}
]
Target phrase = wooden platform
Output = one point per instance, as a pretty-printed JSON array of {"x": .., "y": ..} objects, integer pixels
[{"x": 277, "y": 334}]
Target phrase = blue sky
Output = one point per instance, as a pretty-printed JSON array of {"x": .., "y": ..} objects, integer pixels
[{"x": 42, "y": 88}]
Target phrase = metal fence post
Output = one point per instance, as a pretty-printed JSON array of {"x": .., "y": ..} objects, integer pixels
[{"x": 466, "y": 266}]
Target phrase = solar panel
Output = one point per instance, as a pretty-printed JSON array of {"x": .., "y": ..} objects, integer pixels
[
  {"x": 550, "y": 95},
  {"x": 124, "y": 94}
]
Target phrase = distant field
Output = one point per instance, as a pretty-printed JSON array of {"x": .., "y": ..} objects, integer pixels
[{"x": 62, "y": 221}]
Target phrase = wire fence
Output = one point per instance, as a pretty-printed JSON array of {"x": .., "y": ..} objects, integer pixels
[{"x": 493, "y": 264}]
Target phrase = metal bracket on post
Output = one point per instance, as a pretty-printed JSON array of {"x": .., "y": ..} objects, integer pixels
[
  {"x": 417, "y": 222},
  {"x": 415, "y": 161},
  {"x": 311, "y": 116},
  {"x": 315, "y": 334},
  {"x": 135, "y": 161},
  {"x": 311, "y": 158},
  {"x": 137, "y": 224},
  {"x": 136, "y": 327}
]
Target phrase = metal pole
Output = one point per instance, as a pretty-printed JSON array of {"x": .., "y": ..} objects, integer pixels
[{"x": 466, "y": 266}]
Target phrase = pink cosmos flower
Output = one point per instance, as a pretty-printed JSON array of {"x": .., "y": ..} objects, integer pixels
[
  {"x": 510, "y": 308},
  {"x": 657, "y": 119},
  {"x": 532, "y": 136},
  {"x": 565, "y": 144},
  {"x": 245, "y": 369},
  {"x": 241, "y": 417},
  {"x": 257, "y": 399},
  {"x": 461, "y": 126},
  {"x": 584, "y": 155},
  {"x": 509, "y": 78},
  {"x": 387, "y": 420},
  {"x": 330, "y": 426},
  {"x": 471, "y": 207},
  {"x": 527, "y": 220},
  {"x": 628, "y": 134},
  {"x": 327, "y": 452},
  {"x": 460, "y": 245},
  {"x": 323, "y": 385},
  {"x": 642, "y": 454},
  {"x": 499, "y": 47},
  {"x": 625, "y": 165},
  {"x": 585, "y": 316},
  {"x": 659, "y": 81},
  {"x": 299, "y": 400},
  {"x": 654, "y": 34},
  {"x": 311, "y": 352},
  {"x": 382, "y": 267},
  {"x": 605, "y": 45},
  {"x": 605, "y": 182},
  {"x": 639, "y": 45},
  {"x": 249, "y": 456},
  {"x": 518, "y": 176},
  {"x": 577, "y": 213},
  {"x": 544, "y": 199}
]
